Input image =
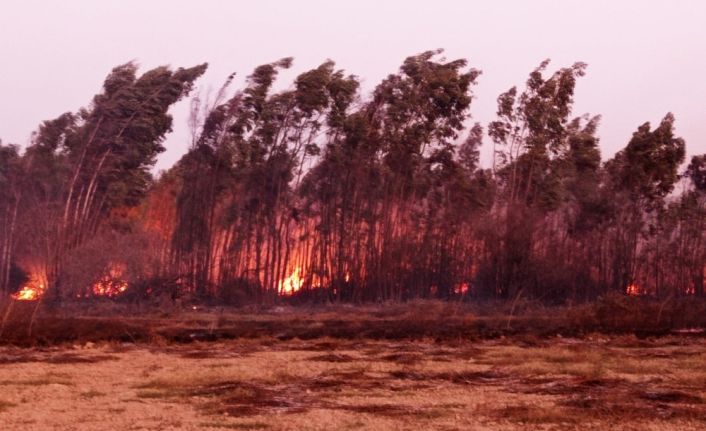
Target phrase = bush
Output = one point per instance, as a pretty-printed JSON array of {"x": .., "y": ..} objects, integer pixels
[{"x": 115, "y": 257}]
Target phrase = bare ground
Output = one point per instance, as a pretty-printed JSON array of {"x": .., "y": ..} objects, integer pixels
[{"x": 595, "y": 382}]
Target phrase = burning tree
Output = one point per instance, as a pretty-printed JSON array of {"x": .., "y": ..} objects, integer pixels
[
  {"x": 236, "y": 220},
  {"x": 318, "y": 192},
  {"x": 80, "y": 166},
  {"x": 640, "y": 177}
]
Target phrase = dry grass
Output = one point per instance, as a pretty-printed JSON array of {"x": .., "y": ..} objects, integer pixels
[
  {"x": 4, "y": 405},
  {"x": 416, "y": 366},
  {"x": 529, "y": 323},
  {"x": 92, "y": 394},
  {"x": 526, "y": 414},
  {"x": 47, "y": 378},
  {"x": 343, "y": 384},
  {"x": 235, "y": 426}
]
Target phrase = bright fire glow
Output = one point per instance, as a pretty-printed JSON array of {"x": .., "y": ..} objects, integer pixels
[
  {"x": 109, "y": 287},
  {"x": 29, "y": 292},
  {"x": 461, "y": 289},
  {"x": 111, "y": 284},
  {"x": 291, "y": 284},
  {"x": 633, "y": 290}
]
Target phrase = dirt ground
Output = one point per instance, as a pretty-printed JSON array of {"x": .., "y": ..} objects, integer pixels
[{"x": 332, "y": 384}]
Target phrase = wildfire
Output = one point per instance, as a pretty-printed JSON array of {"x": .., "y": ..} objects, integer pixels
[
  {"x": 291, "y": 284},
  {"x": 633, "y": 290},
  {"x": 32, "y": 290},
  {"x": 109, "y": 287},
  {"x": 461, "y": 288},
  {"x": 29, "y": 292},
  {"x": 111, "y": 284}
]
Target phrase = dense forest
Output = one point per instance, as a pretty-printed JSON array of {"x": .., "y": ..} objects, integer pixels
[{"x": 320, "y": 193}]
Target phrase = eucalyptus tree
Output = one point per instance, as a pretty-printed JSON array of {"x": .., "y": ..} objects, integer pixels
[
  {"x": 82, "y": 165},
  {"x": 252, "y": 152},
  {"x": 424, "y": 109},
  {"x": 641, "y": 176},
  {"x": 674, "y": 252},
  {"x": 673, "y": 246},
  {"x": 372, "y": 185},
  {"x": 585, "y": 211},
  {"x": 695, "y": 225},
  {"x": 530, "y": 138},
  {"x": 10, "y": 194},
  {"x": 696, "y": 172}
]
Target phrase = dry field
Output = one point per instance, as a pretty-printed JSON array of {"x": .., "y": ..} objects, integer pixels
[{"x": 595, "y": 382}]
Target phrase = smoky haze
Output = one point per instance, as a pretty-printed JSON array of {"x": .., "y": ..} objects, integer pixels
[{"x": 645, "y": 58}]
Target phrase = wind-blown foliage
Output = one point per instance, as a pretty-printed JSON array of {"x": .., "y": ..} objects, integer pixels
[
  {"x": 80, "y": 166},
  {"x": 328, "y": 194}
]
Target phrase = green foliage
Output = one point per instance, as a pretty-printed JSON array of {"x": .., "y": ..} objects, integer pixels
[
  {"x": 697, "y": 172},
  {"x": 648, "y": 166},
  {"x": 532, "y": 129}
]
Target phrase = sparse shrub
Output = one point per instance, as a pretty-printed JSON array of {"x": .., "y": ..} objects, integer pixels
[{"x": 111, "y": 256}]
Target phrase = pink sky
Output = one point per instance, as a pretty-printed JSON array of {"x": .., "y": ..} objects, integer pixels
[{"x": 645, "y": 57}]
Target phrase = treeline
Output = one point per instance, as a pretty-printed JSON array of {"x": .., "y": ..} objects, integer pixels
[{"x": 326, "y": 194}]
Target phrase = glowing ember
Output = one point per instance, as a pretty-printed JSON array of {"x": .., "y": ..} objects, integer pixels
[
  {"x": 111, "y": 285},
  {"x": 461, "y": 289},
  {"x": 291, "y": 284},
  {"x": 31, "y": 291},
  {"x": 633, "y": 290}
]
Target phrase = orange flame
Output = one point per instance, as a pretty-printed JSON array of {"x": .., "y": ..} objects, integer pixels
[
  {"x": 31, "y": 291},
  {"x": 291, "y": 284},
  {"x": 461, "y": 288},
  {"x": 111, "y": 285},
  {"x": 633, "y": 290}
]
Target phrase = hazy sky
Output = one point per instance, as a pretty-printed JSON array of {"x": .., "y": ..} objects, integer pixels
[{"x": 645, "y": 57}]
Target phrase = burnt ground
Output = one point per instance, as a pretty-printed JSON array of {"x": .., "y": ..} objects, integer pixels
[{"x": 596, "y": 382}]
